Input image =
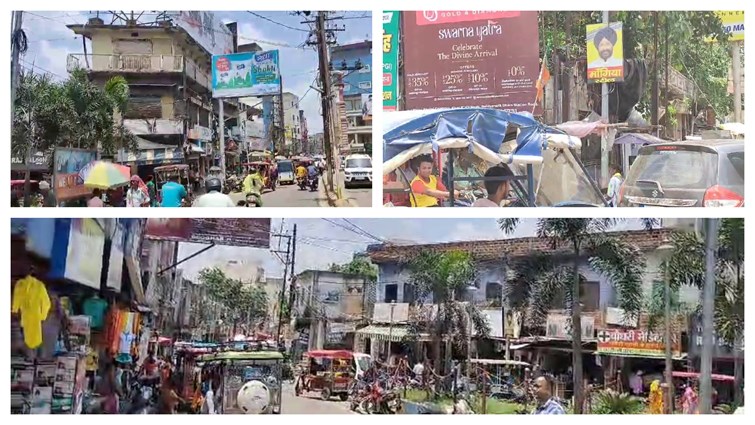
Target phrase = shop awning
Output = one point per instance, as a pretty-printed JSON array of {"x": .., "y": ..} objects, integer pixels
[
  {"x": 385, "y": 333},
  {"x": 150, "y": 153}
]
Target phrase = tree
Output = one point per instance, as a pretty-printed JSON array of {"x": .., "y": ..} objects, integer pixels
[
  {"x": 445, "y": 276},
  {"x": 75, "y": 113},
  {"x": 359, "y": 265},
  {"x": 244, "y": 302},
  {"x": 538, "y": 286},
  {"x": 686, "y": 266}
]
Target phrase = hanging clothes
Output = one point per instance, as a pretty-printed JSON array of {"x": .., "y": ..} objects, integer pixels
[{"x": 31, "y": 301}]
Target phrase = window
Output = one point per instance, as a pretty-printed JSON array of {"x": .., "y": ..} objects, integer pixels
[
  {"x": 493, "y": 292},
  {"x": 365, "y": 69},
  {"x": 391, "y": 293},
  {"x": 365, "y": 85},
  {"x": 589, "y": 296}
]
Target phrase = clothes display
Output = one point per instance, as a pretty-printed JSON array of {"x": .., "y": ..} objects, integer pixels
[
  {"x": 95, "y": 308},
  {"x": 31, "y": 301}
]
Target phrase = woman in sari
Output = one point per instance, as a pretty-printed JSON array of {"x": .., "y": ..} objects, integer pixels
[{"x": 689, "y": 401}]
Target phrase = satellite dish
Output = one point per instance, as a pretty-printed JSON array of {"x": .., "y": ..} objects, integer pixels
[{"x": 253, "y": 398}]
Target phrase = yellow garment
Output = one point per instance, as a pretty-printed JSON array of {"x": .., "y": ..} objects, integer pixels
[
  {"x": 253, "y": 184},
  {"x": 655, "y": 398},
  {"x": 422, "y": 200},
  {"x": 301, "y": 171},
  {"x": 31, "y": 301}
]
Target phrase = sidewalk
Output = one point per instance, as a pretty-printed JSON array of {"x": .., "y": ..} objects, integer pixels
[{"x": 332, "y": 198}]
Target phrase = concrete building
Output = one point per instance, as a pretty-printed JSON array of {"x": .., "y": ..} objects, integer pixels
[
  {"x": 166, "y": 61},
  {"x": 292, "y": 121},
  {"x": 357, "y": 87}
]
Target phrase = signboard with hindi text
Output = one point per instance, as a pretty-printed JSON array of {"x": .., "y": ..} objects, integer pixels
[
  {"x": 390, "y": 60},
  {"x": 635, "y": 343},
  {"x": 605, "y": 53}
]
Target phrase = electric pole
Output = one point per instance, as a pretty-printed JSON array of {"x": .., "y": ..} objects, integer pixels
[
  {"x": 281, "y": 120},
  {"x": 709, "y": 294},
  {"x": 605, "y": 117},
  {"x": 736, "y": 78},
  {"x": 15, "y": 59}
]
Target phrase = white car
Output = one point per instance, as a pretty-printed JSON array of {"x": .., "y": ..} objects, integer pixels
[{"x": 357, "y": 169}]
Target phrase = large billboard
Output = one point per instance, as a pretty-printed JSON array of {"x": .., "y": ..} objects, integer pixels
[
  {"x": 605, "y": 53},
  {"x": 246, "y": 74},
  {"x": 68, "y": 163},
  {"x": 390, "y": 60},
  {"x": 471, "y": 59},
  {"x": 250, "y": 232},
  {"x": 206, "y": 29}
]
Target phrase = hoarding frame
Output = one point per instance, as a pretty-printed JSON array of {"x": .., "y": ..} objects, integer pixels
[{"x": 256, "y": 82}]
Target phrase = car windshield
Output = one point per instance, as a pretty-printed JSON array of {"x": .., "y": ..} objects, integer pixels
[
  {"x": 675, "y": 168},
  {"x": 285, "y": 167},
  {"x": 358, "y": 163}
]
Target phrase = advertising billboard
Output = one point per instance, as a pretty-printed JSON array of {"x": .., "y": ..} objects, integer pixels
[
  {"x": 366, "y": 106},
  {"x": 66, "y": 180},
  {"x": 249, "y": 232},
  {"x": 206, "y": 29},
  {"x": 246, "y": 74},
  {"x": 605, "y": 53},
  {"x": 635, "y": 343},
  {"x": 471, "y": 59},
  {"x": 390, "y": 60}
]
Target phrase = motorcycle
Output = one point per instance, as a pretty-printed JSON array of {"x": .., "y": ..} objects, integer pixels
[
  {"x": 253, "y": 200},
  {"x": 313, "y": 182},
  {"x": 302, "y": 183}
]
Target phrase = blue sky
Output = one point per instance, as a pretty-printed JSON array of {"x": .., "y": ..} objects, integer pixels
[
  {"x": 50, "y": 42},
  {"x": 322, "y": 242}
]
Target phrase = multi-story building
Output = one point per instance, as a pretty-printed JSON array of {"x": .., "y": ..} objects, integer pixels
[
  {"x": 166, "y": 61},
  {"x": 357, "y": 90},
  {"x": 292, "y": 121},
  {"x": 304, "y": 132}
]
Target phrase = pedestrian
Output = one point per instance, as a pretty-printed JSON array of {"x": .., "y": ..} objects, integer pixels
[
  {"x": 137, "y": 196},
  {"x": 48, "y": 196},
  {"x": 173, "y": 193},
  {"x": 635, "y": 383},
  {"x": 213, "y": 196},
  {"x": 689, "y": 400},
  {"x": 547, "y": 403},
  {"x": 96, "y": 200},
  {"x": 498, "y": 190},
  {"x": 169, "y": 399},
  {"x": 614, "y": 186},
  {"x": 152, "y": 190}
]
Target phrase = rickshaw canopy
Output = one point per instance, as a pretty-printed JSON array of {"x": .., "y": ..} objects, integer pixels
[
  {"x": 330, "y": 354},
  {"x": 482, "y": 131},
  {"x": 500, "y": 362},
  {"x": 171, "y": 167},
  {"x": 241, "y": 355}
]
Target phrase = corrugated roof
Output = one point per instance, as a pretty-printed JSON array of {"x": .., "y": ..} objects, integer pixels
[{"x": 486, "y": 250}]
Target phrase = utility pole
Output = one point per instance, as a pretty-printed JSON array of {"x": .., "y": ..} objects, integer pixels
[
  {"x": 736, "y": 75},
  {"x": 282, "y": 296},
  {"x": 665, "y": 84},
  {"x": 605, "y": 117},
  {"x": 709, "y": 294},
  {"x": 18, "y": 17},
  {"x": 655, "y": 95},
  {"x": 281, "y": 120},
  {"x": 292, "y": 293},
  {"x": 221, "y": 134}
]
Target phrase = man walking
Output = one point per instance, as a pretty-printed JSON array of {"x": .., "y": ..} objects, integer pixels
[{"x": 547, "y": 404}]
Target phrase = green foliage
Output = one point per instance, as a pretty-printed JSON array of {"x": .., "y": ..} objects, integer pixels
[
  {"x": 359, "y": 265},
  {"x": 74, "y": 113},
  {"x": 609, "y": 402},
  {"x": 243, "y": 301},
  {"x": 445, "y": 276}
]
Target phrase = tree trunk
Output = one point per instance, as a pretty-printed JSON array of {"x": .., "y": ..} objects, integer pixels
[
  {"x": 739, "y": 377},
  {"x": 576, "y": 320}
]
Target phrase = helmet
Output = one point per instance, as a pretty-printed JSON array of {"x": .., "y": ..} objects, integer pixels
[{"x": 213, "y": 184}]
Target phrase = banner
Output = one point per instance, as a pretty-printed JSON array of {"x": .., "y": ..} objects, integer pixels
[
  {"x": 635, "y": 343},
  {"x": 367, "y": 106},
  {"x": 480, "y": 59},
  {"x": 734, "y": 24},
  {"x": 390, "y": 60},
  {"x": 249, "y": 232},
  {"x": 558, "y": 326},
  {"x": 66, "y": 181},
  {"x": 605, "y": 53},
  {"x": 115, "y": 265},
  {"x": 77, "y": 251},
  {"x": 206, "y": 29},
  {"x": 246, "y": 74}
]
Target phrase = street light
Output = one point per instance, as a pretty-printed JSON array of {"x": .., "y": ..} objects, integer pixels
[{"x": 664, "y": 253}]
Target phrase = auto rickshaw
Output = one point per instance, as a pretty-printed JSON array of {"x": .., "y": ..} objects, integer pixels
[
  {"x": 265, "y": 169},
  {"x": 328, "y": 371},
  {"x": 503, "y": 380},
  {"x": 249, "y": 381},
  {"x": 165, "y": 172}
]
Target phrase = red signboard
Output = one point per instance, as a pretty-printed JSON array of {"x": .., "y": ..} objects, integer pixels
[
  {"x": 471, "y": 59},
  {"x": 68, "y": 163},
  {"x": 635, "y": 343},
  {"x": 251, "y": 232}
]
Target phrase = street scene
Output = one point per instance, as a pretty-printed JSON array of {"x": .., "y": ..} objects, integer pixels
[
  {"x": 559, "y": 109},
  {"x": 401, "y": 316},
  {"x": 191, "y": 109}
]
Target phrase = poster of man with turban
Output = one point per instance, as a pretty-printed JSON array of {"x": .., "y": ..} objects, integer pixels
[{"x": 605, "y": 53}]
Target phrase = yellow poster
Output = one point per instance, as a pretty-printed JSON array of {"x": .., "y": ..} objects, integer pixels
[
  {"x": 605, "y": 53},
  {"x": 734, "y": 23}
]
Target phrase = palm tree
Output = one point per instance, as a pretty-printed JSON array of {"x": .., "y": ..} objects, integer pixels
[
  {"x": 687, "y": 267},
  {"x": 540, "y": 280},
  {"x": 445, "y": 276}
]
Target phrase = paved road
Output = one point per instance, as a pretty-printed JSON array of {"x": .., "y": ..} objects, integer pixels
[
  {"x": 291, "y": 196},
  {"x": 311, "y": 404}
]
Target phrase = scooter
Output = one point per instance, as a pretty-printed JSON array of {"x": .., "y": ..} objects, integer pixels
[
  {"x": 313, "y": 182},
  {"x": 253, "y": 200},
  {"x": 302, "y": 183}
]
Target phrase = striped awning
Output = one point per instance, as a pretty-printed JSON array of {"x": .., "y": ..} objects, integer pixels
[
  {"x": 386, "y": 333},
  {"x": 154, "y": 156}
]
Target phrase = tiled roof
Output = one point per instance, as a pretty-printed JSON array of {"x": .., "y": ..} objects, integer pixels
[{"x": 487, "y": 250}]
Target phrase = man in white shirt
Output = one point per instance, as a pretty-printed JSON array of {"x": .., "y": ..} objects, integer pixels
[
  {"x": 498, "y": 189},
  {"x": 418, "y": 370},
  {"x": 214, "y": 197}
]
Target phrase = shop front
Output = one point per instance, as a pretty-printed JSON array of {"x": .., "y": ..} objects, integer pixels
[{"x": 73, "y": 310}]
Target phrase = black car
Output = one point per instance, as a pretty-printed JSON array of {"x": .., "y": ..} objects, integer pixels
[{"x": 706, "y": 173}]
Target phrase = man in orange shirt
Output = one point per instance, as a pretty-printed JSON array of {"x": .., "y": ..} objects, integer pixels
[{"x": 426, "y": 188}]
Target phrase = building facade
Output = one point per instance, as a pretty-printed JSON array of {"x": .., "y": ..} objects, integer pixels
[{"x": 357, "y": 90}]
